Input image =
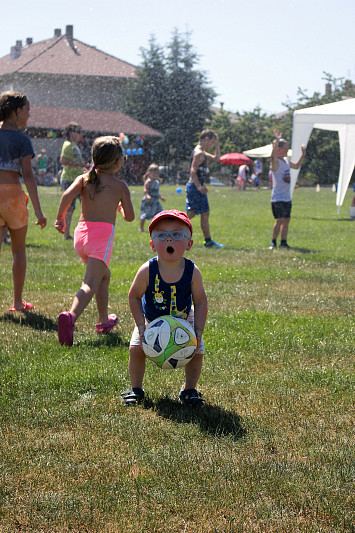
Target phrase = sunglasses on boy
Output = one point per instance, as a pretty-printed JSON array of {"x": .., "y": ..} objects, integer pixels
[{"x": 175, "y": 235}]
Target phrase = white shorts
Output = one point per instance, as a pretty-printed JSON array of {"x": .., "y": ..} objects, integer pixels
[{"x": 136, "y": 341}]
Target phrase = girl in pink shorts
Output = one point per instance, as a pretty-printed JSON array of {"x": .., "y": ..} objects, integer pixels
[{"x": 102, "y": 195}]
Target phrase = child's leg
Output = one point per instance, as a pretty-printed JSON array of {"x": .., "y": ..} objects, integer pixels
[
  {"x": 284, "y": 228},
  {"x": 193, "y": 372},
  {"x": 18, "y": 247},
  {"x": 95, "y": 271},
  {"x": 191, "y": 213},
  {"x": 276, "y": 228},
  {"x": 205, "y": 225},
  {"x": 136, "y": 366},
  {"x": 101, "y": 296},
  {"x": 141, "y": 224}
]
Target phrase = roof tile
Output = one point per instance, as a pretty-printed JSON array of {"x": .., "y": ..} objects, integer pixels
[
  {"x": 110, "y": 122},
  {"x": 57, "y": 56}
]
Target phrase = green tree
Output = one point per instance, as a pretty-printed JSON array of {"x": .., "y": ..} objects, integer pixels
[
  {"x": 222, "y": 124},
  {"x": 255, "y": 128},
  {"x": 145, "y": 97},
  {"x": 246, "y": 131},
  {"x": 172, "y": 96}
]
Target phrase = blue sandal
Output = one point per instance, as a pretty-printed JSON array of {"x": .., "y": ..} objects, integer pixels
[
  {"x": 133, "y": 396},
  {"x": 191, "y": 397}
]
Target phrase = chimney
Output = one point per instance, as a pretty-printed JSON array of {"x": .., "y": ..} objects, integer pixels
[
  {"x": 328, "y": 89},
  {"x": 57, "y": 32},
  {"x": 13, "y": 54},
  {"x": 15, "y": 51},
  {"x": 29, "y": 41},
  {"x": 69, "y": 33}
]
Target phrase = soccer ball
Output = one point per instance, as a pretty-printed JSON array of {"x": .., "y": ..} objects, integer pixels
[{"x": 169, "y": 342}]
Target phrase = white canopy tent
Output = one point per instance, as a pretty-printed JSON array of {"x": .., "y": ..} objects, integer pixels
[
  {"x": 338, "y": 116},
  {"x": 262, "y": 151}
]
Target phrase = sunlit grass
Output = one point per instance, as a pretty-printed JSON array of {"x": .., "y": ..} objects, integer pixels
[{"x": 272, "y": 451}]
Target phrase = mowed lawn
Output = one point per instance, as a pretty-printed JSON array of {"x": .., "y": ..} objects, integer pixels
[{"x": 273, "y": 448}]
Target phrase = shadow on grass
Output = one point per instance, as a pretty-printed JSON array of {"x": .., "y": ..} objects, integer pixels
[
  {"x": 111, "y": 340},
  {"x": 303, "y": 250},
  {"x": 41, "y": 322},
  {"x": 32, "y": 319},
  {"x": 212, "y": 419},
  {"x": 292, "y": 249},
  {"x": 227, "y": 247},
  {"x": 335, "y": 219}
]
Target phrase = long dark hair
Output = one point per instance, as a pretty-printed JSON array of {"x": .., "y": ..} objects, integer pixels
[
  {"x": 9, "y": 102},
  {"x": 104, "y": 153}
]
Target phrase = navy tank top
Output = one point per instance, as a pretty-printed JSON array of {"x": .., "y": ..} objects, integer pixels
[
  {"x": 163, "y": 298},
  {"x": 202, "y": 171}
]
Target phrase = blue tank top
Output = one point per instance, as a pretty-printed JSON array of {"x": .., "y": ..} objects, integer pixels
[
  {"x": 163, "y": 298},
  {"x": 202, "y": 171}
]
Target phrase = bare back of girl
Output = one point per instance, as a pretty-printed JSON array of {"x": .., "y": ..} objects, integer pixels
[{"x": 99, "y": 203}]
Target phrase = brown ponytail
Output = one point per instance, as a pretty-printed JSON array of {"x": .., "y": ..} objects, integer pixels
[{"x": 104, "y": 152}]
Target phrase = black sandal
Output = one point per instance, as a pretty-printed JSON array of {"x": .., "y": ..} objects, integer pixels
[
  {"x": 133, "y": 396},
  {"x": 191, "y": 397}
]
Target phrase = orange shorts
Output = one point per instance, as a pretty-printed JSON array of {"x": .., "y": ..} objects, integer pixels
[{"x": 13, "y": 206}]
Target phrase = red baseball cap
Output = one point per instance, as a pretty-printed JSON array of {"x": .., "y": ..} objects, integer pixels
[{"x": 171, "y": 213}]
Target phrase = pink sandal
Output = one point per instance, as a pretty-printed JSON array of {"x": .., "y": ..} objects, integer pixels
[
  {"x": 66, "y": 328},
  {"x": 26, "y": 307},
  {"x": 106, "y": 328}
]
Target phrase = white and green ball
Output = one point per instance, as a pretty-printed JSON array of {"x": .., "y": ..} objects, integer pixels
[{"x": 169, "y": 342}]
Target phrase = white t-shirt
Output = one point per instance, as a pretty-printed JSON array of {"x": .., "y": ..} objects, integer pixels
[{"x": 281, "y": 182}]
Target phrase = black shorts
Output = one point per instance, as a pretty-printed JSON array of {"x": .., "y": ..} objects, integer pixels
[{"x": 281, "y": 209}]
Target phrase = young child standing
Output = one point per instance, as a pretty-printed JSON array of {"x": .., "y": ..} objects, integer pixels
[
  {"x": 150, "y": 204},
  {"x": 102, "y": 195},
  {"x": 41, "y": 161},
  {"x": 180, "y": 281},
  {"x": 16, "y": 152},
  {"x": 281, "y": 202}
]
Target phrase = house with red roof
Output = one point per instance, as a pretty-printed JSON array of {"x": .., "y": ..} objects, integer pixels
[{"x": 67, "y": 80}]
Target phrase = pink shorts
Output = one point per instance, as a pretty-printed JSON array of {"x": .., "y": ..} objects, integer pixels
[
  {"x": 13, "y": 206},
  {"x": 94, "y": 239}
]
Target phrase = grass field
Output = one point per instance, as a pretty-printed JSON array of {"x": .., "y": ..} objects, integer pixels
[{"x": 273, "y": 448}]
